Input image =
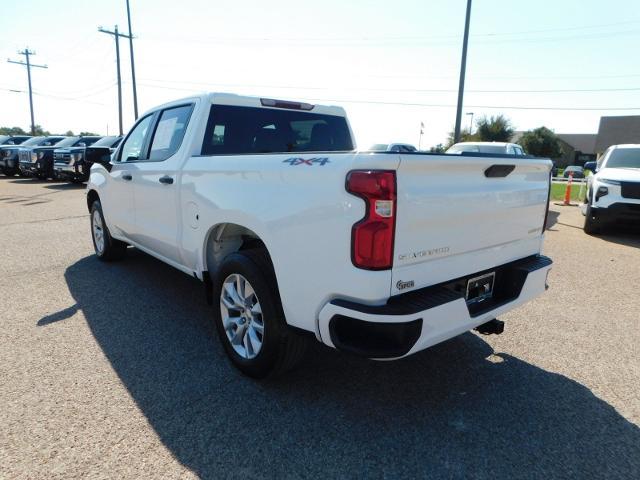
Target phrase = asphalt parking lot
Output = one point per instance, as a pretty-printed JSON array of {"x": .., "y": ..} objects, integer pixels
[{"x": 114, "y": 371}]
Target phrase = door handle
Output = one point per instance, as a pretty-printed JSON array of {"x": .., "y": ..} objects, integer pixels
[
  {"x": 127, "y": 177},
  {"x": 166, "y": 179}
]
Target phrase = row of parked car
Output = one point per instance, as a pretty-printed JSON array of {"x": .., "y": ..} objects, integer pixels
[{"x": 55, "y": 156}]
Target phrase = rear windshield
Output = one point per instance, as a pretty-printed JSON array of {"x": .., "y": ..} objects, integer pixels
[
  {"x": 624, "y": 158},
  {"x": 379, "y": 147},
  {"x": 492, "y": 149},
  {"x": 238, "y": 130},
  {"x": 463, "y": 148}
]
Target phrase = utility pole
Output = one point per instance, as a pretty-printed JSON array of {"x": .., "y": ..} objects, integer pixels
[
  {"x": 463, "y": 68},
  {"x": 133, "y": 70},
  {"x": 26, "y": 52},
  {"x": 421, "y": 133},
  {"x": 117, "y": 36}
]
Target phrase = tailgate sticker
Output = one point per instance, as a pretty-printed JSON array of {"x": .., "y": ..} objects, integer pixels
[{"x": 295, "y": 161}]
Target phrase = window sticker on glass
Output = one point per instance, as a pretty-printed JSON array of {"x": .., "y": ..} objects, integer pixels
[{"x": 164, "y": 133}]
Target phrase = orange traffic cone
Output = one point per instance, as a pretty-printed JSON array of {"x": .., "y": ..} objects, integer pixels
[{"x": 567, "y": 192}]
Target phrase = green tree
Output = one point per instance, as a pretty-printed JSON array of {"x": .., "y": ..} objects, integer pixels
[
  {"x": 12, "y": 131},
  {"x": 439, "y": 148},
  {"x": 494, "y": 129},
  {"x": 541, "y": 142},
  {"x": 39, "y": 131},
  {"x": 465, "y": 136},
  {"x": 89, "y": 134},
  {"x": 69, "y": 133}
]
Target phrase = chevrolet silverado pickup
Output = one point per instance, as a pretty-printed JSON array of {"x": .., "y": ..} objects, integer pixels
[{"x": 297, "y": 235}]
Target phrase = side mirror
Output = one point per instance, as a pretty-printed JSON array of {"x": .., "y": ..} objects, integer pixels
[{"x": 104, "y": 158}]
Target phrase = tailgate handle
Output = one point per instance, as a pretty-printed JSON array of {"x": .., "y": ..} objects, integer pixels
[{"x": 495, "y": 171}]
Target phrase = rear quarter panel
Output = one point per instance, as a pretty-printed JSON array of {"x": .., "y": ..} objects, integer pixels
[{"x": 302, "y": 213}]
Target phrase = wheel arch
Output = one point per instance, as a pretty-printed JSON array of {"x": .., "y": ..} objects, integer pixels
[
  {"x": 92, "y": 196},
  {"x": 225, "y": 238}
]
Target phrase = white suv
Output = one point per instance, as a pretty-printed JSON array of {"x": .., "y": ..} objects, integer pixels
[{"x": 613, "y": 194}]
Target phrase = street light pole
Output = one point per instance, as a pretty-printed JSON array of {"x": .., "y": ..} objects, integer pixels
[
  {"x": 470, "y": 122},
  {"x": 133, "y": 69},
  {"x": 463, "y": 68}
]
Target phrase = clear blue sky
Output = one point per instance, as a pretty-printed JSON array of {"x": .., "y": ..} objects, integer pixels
[{"x": 369, "y": 56}]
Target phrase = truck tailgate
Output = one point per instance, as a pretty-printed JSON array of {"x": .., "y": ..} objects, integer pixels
[{"x": 454, "y": 220}]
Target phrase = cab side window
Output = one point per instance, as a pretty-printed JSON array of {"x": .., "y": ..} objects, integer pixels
[
  {"x": 170, "y": 132},
  {"x": 132, "y": 147}
]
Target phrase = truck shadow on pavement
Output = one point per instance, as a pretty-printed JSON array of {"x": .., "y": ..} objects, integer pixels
[{"x": 458, "y": 410}]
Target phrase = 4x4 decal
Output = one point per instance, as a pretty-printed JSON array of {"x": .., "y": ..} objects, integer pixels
[{"x": 322, "y": 161}]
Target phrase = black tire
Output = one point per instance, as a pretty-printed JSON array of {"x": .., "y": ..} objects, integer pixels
[
  {"x": 591, "y": 224},
  {"x": 281, "y": 347},
  {"x": 10, "y": 172},
  {"x": 112, "y": 249}
]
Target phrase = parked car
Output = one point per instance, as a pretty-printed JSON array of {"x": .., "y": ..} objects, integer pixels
[
  {"x": 13, "y": 139},
  {"x": 74, "y": 163},
  {"x": 502, "y": 148},
  {"x": 296, "y": 235},
  {"x": 11, "y": 154},
  {"x": 554, "y": 169},
  {"x": 591, "y": 166},
  {"x": 392, "y": 147},
  {"x": 578, "y": 172},
  {"x": 38, "y": 161},
  {"x": 613, "y": 192}
]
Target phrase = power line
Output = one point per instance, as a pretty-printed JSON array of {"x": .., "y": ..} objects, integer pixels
[
  {"x": 411, "y": 90},
  {"x": 434, "y": 105}
]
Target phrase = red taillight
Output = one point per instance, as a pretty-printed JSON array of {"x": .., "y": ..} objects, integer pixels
[{"x": 372, "y": 237}]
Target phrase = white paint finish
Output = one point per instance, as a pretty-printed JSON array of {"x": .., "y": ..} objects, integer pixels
[
  {"x": 452, "y": 220},
  {"x": 440, "y": 323},
  {"x": 117, "y": 197},
  {"x": 304, "y": 215}
]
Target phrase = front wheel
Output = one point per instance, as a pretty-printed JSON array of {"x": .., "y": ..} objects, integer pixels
[
  {"x": 9, "y": 172},
  {"x": 106, "y": 247},
  {"x": 249, "y": 317},
  {"x": 591, "y": 225}
]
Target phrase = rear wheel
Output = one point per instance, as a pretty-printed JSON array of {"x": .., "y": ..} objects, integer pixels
[
  {"x": 249, "y": 317},
  {"x": 106, "y": 247}
]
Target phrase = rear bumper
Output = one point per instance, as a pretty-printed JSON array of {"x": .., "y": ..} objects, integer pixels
[{"x": 419, "y": 319}]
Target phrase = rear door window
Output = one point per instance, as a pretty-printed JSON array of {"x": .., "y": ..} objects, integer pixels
[{"x": 245, "y": 130}]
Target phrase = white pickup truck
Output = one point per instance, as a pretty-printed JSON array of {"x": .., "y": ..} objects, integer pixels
[{"x": 295, "y": 234}]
